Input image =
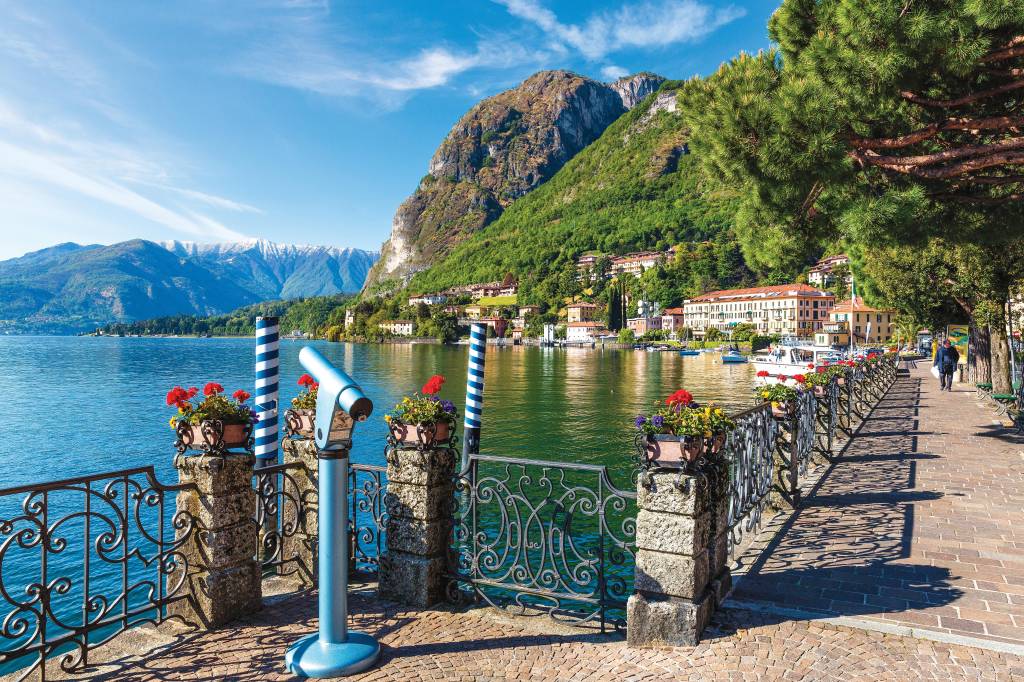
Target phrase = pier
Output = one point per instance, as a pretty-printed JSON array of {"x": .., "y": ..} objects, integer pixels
[{"x": 873, "y": 534}]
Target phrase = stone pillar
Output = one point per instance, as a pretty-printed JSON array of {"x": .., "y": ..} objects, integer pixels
[
  {"x": 785, "y": 493},
  {"x": 222, "y": 578},
  {"x": 420, "y": 504},
  {"x": 673, "y": 601},
  {"x": 302, "y": 546}
]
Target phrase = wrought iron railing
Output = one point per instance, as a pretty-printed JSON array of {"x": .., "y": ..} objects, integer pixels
[
  {"x": 750, "y": 451},
  {"x": 544, "y": 537},
  {"x": 82, "y": 560},
  {"x": 804, "y": 423},
  {"x": 280, "y": 514},
  {"x": 367, "y": 515},
  {"x": 827, "y": 419}
]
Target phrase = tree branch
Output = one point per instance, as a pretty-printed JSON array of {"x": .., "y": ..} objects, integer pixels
[
  {"x": 993, "y": 123},
  {"x": 966, "y": 99},
  {"x": 898, "y": 162},
  {"x": 1014, "y": 48}
]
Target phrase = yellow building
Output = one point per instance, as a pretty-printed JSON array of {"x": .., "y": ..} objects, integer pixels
[
  {"x": 581, "y": 312},
  {"x": 787, "y": 309},
  {"x": 869, "y": 325}
]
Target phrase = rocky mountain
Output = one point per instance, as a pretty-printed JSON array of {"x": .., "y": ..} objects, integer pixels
[
  {"x": 635, "y": 188},
  {"x": 501, "y": 149},
  {"x": 70, "y": 287}
]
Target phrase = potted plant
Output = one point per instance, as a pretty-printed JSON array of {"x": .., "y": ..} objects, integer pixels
[
  {"x": 781, "y": 397},
  {"x": 213, "y": 423},
  {"x": 423, "y": 419},
  {"x": 300, "y": 418},
  {"x": 679, "y": 432},
  {"x": 818, "y": 382}
]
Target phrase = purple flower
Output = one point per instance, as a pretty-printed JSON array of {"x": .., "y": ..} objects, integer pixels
[
  {"x": 447, "y": 406},
  {"x": 657, "y": 421},
  {"x": 434, "y": 398},
  {"x": 640, "y": 421}
]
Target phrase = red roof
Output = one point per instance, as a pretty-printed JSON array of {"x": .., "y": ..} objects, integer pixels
[
  {"x": 673, "y": 311},
  {"x": 858, "y": 306},
  {"x": 779, "y": 289},
  {"x": 585, "y": 324},
  {"x": 582, "y": 304}
]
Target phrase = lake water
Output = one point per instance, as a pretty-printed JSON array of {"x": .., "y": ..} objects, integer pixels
[
  {"x": 80, "y": 406},
  {"x": 83, "y": 405}
]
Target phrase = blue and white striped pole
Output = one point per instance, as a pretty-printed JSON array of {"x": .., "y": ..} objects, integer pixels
[
  {"x": 267, "y": 342},
  {"x": 474, "y": 392}
]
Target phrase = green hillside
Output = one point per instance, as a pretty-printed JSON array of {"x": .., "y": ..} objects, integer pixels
[{"x": 634, "y": 188}]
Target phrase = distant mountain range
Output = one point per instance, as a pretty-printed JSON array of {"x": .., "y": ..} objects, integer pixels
[{"x": 72, "y": 287}]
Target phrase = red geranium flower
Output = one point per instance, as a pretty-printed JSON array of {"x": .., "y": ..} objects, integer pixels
[
  {"x": 433, "y": 385},
  {"x": 212, "y": 388},
  {"x": 175, "y": 395},
  {"x": 192, "y": 392},
  {"x": 240, "y": 395},
  {"x": 680, "y": 397},
  {"x": 799, "y": 378},
  {"x": 306, "y": 380},
  {"x": 762, "y": 374},
  {"x": 810, "y": 365}
]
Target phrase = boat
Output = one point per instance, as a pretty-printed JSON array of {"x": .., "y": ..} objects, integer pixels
[
  {"x": 689, "y": 352},
  {"x": 733, "y": 357},
  {"x": 790, "y": 357}
]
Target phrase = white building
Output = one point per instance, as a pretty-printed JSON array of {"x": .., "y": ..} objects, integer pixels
[
  {"x": 788, "y": 309},
  {"x": 584, "y": 332},
  {"x": 397, "y": 327},
  {"x": 821, "y": 274},
  {"x": 428, "y": 299}
]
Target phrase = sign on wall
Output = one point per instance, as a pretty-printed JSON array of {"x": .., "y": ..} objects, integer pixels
[{"x": 957, "y": 335}]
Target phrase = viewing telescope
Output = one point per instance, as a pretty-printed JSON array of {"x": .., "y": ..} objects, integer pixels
[{"x": 338, "y": 397}]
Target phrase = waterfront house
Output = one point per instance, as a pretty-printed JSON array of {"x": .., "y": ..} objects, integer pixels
[
  {"x": 475, "y": 312},
  {"x": 797, "y": 310},
  {"x": 642, "y": 325},
  {"x": 397, "y": 327},
  {"x": 821, "y": 274},
  {"x": 672, "y": 320},
  {"x": 581, "y": 312},
  {"x": 869, "y": 325},
  {"x": 350, "y": 318},
  {"x": 498, "y": 324},
  {"x": 584, "y": 332},
  {"x": 428, "y": 299}
]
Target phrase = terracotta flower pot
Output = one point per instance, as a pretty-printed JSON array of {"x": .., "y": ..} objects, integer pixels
[
  {"x": 300, "y": 422},
  {"x": 673, "y": 452},
  {"x": 432, "y": 434},
  {"x": 204, "y": 435},
  {"x": 841, "y": 381},
  {"x": 780, "y": 410},
  {"x": 717, "y": 442},
  {"x": 819, "y": 391}
]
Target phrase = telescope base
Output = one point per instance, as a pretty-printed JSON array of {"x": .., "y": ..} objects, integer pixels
[{"x": 309, "y": 657}]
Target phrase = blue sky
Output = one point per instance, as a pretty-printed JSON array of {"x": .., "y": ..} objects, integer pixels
[{"x": 301, "y": 121}]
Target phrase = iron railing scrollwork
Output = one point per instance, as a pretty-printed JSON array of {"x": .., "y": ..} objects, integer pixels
[
  {"x": 535, "y": 536},
  {"x": 367, "y": 515},
  {"x": 281, "y": 508},
  {"x": 750, "y": 452},
  {"x": 827, "y": 419},
  {"x": 803, "y": 422},
  {"x": 108, "y": 552}
]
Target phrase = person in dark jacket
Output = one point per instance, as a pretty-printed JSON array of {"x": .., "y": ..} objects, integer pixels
[{"x": 946, "y": 359}]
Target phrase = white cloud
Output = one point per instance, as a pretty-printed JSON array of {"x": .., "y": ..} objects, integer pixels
[
  {"x": 612, "y": 72},
  {"x": 641, "y": 25}
]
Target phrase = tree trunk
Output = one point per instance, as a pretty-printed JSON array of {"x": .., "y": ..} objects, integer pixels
[
  {"x": 1001, "y": 382},
  {"x": 979, "y": 365}
]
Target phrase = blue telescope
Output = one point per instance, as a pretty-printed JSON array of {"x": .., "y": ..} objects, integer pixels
[{"x": 334, "y": 650}]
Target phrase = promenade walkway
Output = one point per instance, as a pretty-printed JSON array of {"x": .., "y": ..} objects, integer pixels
[{"x": 920, "y": 523}]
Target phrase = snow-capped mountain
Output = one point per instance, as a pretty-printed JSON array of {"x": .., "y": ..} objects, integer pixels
[
  {"x": 272, "y": 270},
  {"x": 70, "y": 287}
]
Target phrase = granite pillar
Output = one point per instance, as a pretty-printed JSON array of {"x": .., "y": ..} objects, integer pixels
[{"x": 219, "y": 576}]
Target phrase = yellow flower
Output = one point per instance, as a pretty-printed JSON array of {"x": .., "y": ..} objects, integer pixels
[
  {"x": 173, "y": 422},
  {"x": 387, "y": 418},
  {"x": 718, "y": 412},
  {"x": 775, "y": 404},
  {"x": 707, "y": 434}
]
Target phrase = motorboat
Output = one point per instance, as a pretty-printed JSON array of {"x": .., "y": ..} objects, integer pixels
[
  {"x": 788, "y": 359},
  {"x": 731, "y": 357},
  {"x": 689, "y": 352}
]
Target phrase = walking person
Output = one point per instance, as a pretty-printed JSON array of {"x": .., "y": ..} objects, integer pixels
[{"x": 946, "y": 359}]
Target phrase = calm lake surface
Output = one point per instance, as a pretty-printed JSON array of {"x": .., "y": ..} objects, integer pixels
[{"x": 84, "y": 405}]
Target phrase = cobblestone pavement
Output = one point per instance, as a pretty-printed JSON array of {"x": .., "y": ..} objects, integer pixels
[
  {"x": 477, "y": 645},
  {"x": 920, "y": 523}
]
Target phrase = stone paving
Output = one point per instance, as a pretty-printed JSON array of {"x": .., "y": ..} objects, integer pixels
[
  {"x": 479, "y": 645},
  {"x": 920, "y": 522}
]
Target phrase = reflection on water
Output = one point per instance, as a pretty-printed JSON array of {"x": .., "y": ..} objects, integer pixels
[{"x": 74, "y": 406}]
